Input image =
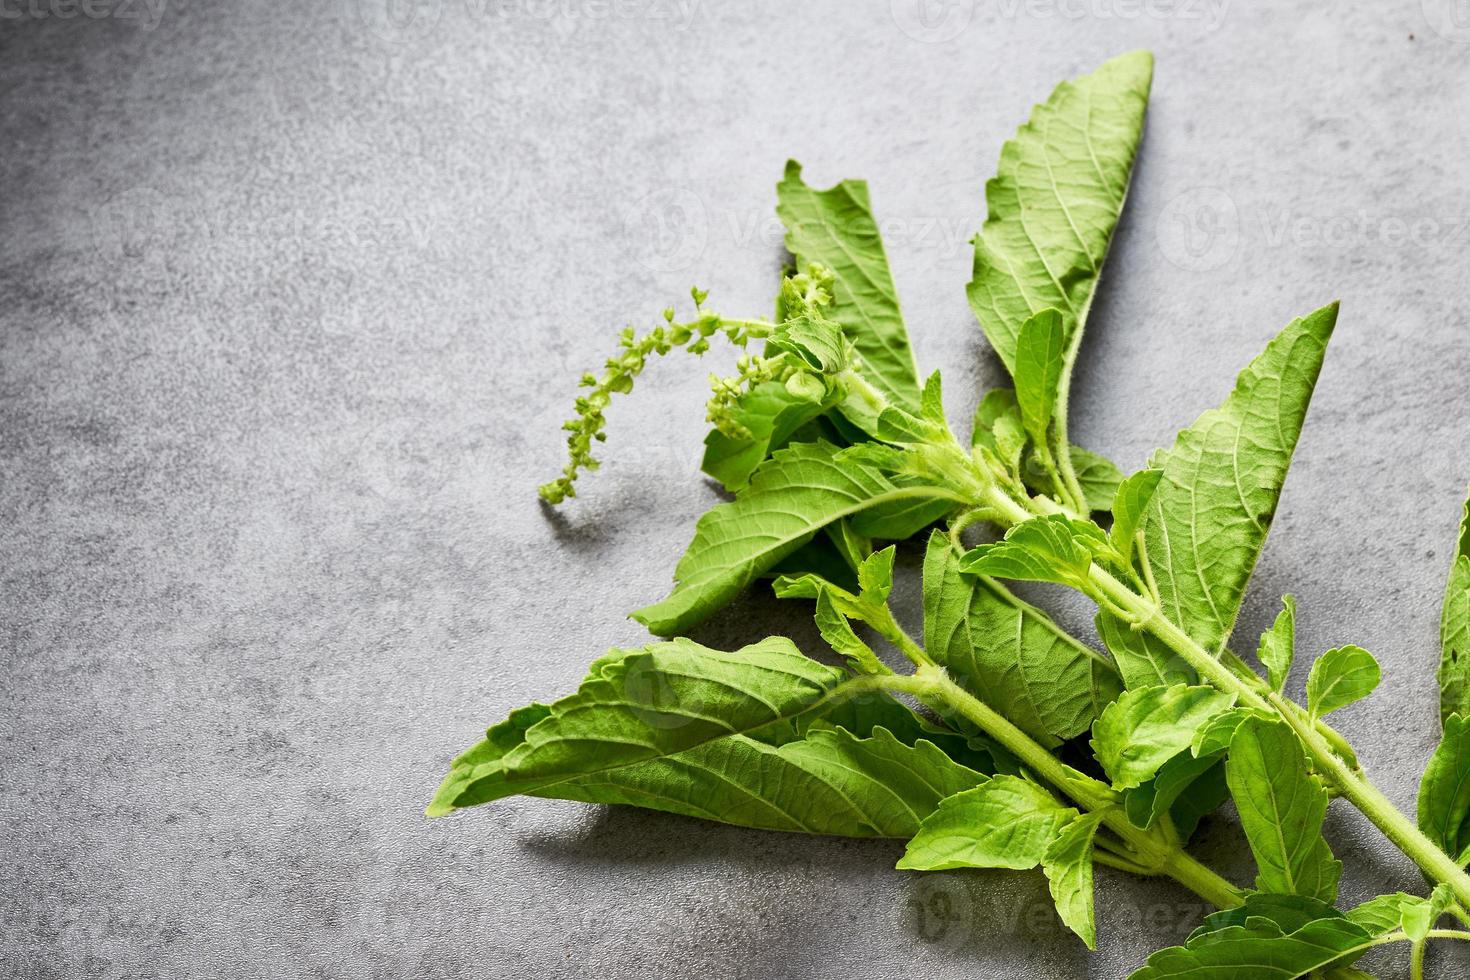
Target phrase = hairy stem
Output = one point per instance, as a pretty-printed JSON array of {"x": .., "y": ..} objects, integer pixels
[
  {"x": 1150, "y": 854},
  {"x": 1348, "y": 781}
]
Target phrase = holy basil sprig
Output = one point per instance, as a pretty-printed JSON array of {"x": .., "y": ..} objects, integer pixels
[{"x": 1005, "y": 742}]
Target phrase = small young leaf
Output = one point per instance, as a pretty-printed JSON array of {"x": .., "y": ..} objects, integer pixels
[
  {"x": 1278, "y": 645},
  {"x": 1006, "y": 822},
  {"x": 1214, "y": 735},
  {"x": 1205, "y": 795},
  {"x": 1010, "y": 440},
  {"x": 1130, "y": 505},
  {"x": 1281, "y": 809},
  {"x": 1454, "y": 630},
  {"x": 818, "y": 343},
  {"x": 1068, "y": 867},
  {"x": 838, "y": 633},
  {"x": 1053, "y": 548},
  {"x": 1222, "y": 479},
  {"x": 835, "y": 229},
  {"x": 1146, "y": 727},
  {"x": 1040, "y": 349},
  {"x": 1339, "y": 677},
  {"x": 1145, "y": 803},
  {"x": 1418, "y": 917},
  {"x": 1383, "y": 914},
  {"x": 996, "y": 403},
  {"x": 1444, "y": 791},
  {"x": 1099, "y": 476},
  {"x": 800, "y": 490},
  {"x": 875, "y": 575},
  {"x": 1414, "y": 915}
]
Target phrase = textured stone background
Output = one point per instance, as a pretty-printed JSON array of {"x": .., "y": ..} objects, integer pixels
[{"x": 294, "y": 297}]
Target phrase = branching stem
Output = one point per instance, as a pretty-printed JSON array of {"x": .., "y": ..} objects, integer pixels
[{"x": 1326, "y": 759}]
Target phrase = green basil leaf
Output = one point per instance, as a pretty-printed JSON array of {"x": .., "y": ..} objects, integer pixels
[
  {"x": 1454, "y": 630},
  {"x": 800, "y": 490},
  {"x": 1146, "y": 727},
  {"x": 1214, "y": 736},
  {"x": 1040, "y": 348},
  {"x": 1288, "y": 912},
  {"x": 1414, "y": 915},
  {"x": 1339, "y": 677},
  {"x": 1068, "y": 867},
  {"x": 1006, "y": 822},
  {"x": 1052, "y": 548},
  {"x": 1417, "y": 918},
  {"x": 1145, "y": 803},
  {"x": 637, "y": 705},
  {"x": 1281, "y": 808},
  {"x": 835, "y": 229},
  {"x": 1278, "y": 645},
  {"x": 1130, "y": 506},
  {"x": 1222, "y": 479},
  {"x": 1444, "y": 791},
  {"x": 1099, "y": 476},
  {"x": 996, "y": 404},
  {"x": 839, "y": 635},
  {"x": 1259, "y": 950},
  {"x": 1208, "y": 791},
  {"x": 1143, "y": 659},
  {"x": 772, "y": 414},
  {"x": 1383, "y": 914},
  {"x": 1010, "y": 654},
  {"x": 1055, "y": 200},
  {"x": 829, "y": 782}
]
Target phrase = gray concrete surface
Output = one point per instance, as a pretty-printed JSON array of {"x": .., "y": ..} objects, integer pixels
[{"x": 294, "y": 297}]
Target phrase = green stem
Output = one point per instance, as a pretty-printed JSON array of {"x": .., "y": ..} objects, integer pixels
[
  {"x": 931, "y": 683},
  {"x": 1326, "y": 760},
  {"x": 1064, "y": 446},
  {"x": 1377, "y": 808},
  {"x": 1156, "y": 856},
  {"x": 1416, "y": 960},
  {"x": 1115, "y": 860}
]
